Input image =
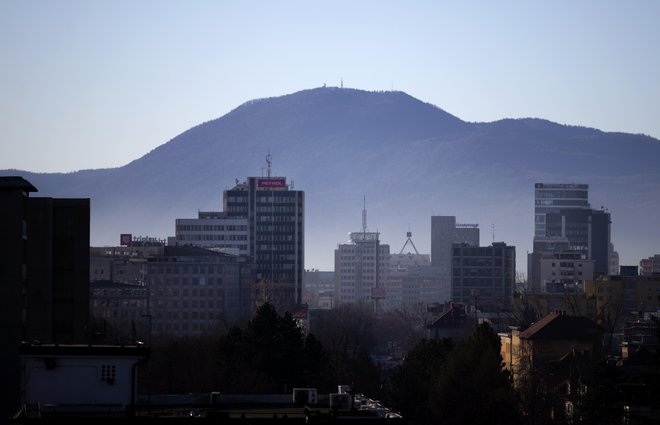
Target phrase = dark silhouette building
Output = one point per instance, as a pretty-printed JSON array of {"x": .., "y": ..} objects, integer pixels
[{"x": 44, "y": 277}]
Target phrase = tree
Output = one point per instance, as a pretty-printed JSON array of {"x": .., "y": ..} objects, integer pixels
[
  {"x": 472, "y": 387},
  {"x": 270, "y": 355},
  {"x": 347, "y": 334},
  {"x": 413, "y": 382}
]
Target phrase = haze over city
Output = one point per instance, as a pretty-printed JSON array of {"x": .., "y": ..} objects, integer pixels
[
  {"x": 95, "y": 85},
  {"x": 202, "y": 207}
]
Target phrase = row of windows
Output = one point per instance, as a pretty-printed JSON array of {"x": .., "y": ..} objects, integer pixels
[
  {"x": 276, "y": 247},
  {"x": 279, "y": 219},
  {"x": 118, "y": 314},
  {"x": 160, "y": 327},
  {"x": 266, "y": 209},
  {"x": 275, "y": 199},
  {"x": 213, "y": 237},
  {"x": 120, "y": 292},
  {"x": 126, "y": 303},
  {"x": 347, "y": 279},
  {"x": 558, "y": 193},
  {"x": 164, "y": 304},
  {"x": 275, "y": 237},
  {"x": 478, "y": 272},
  {"x": 276, "y": 228},
  {"x": 185, "y": 292},
  {"x": 278, "y": 257},
  {"x": 210, "y": 269},
  {"x": 211, "y": 228}
]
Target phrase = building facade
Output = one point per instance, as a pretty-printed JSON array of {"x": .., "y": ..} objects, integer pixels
[
  {"x": 650, "y": 266},
  {"x": 361, "y": 270},
  {"x": 551, "y": 197},
  {"x": 275, "y": 215},
  {"x": 565, "y": 224},
  {"x": 193, "y": 291},
  {"x": 587, "y": 232},
  {"x": 561, "y": 271},
  {"x": 445, "y": 232},
  {"x": 44, "y": 285},
  {"x": 483, "y": 276},
  {"x": 214, "y": 230}
]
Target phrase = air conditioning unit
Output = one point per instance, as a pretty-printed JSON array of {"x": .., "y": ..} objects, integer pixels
[
  {"x": 304, "y": 395},
  {"x": 341, "y": 401}
]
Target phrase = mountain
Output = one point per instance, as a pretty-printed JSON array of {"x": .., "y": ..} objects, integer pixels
[{"x": 409, "y": 158}]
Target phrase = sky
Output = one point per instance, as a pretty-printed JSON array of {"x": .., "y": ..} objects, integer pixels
[{"x": 98, "y": 84}]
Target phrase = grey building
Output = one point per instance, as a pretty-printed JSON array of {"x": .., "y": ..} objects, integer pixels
[
  {"x": 445, "y": 232},
  {"x": 564, "y": 271},
  {"x": 551, "y": 197},
  {"x": 119, "y": 312},
  {"x": 194, "y": 290},
  {"x": 484, "y": 276},
  {"x": 214, "y": 230},
  {"x": 587, "y": 232},
  {"x": 566, "y": 224}
]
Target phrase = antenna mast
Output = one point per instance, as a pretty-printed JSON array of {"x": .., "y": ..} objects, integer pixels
[
  {"x": 364, "y": 215},
  {"x": 269, "y": 163},
  {"x": 409, "y": 241}
]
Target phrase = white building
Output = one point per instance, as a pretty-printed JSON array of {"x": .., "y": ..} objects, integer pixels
[
  {"x": 564, "y": 271},
  {"x": 214, "y": 230},
  {"x": 361, "y": 269},
  {"x": 79, "y": 380}
]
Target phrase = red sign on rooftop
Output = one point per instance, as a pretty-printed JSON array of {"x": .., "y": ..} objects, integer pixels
[
  {"x": 275, "y": 182},
  {"x": 126, "y": 239}
]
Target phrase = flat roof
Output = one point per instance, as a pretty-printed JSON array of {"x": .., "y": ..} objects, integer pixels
[{"x": 16, "y": 182}]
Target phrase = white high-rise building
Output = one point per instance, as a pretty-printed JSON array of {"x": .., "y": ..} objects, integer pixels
[{"x": 361, "y": 269}]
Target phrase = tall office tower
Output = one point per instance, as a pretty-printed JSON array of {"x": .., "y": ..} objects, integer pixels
[
  {"x": 587, "y": 232},
  {"x": 44, "y": 278},
  {"x": 275, "y": 216},
  {"x": 361, "y": 269},
  {"x": 485, "y": 275},
  {"x": 551, "y": 197},
  {"x": 445, "y": 232}
]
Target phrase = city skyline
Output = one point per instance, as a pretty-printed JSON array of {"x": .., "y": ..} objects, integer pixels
[{"x": 92, "y": 86}]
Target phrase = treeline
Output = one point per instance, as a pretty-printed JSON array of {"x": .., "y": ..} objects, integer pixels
[
  {"x": 271, "y": 354},
  {"x": 432, "y": 381}
]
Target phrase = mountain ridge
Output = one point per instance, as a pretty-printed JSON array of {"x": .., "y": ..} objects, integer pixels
[{"x": 410, "y": 158}]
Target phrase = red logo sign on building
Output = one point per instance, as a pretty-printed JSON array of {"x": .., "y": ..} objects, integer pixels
[
  {"x": 275, "y": 182},
  {"x": 126, "y": 239}
]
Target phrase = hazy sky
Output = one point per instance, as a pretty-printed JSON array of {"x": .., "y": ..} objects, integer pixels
[{"x": 91, "y": 84}]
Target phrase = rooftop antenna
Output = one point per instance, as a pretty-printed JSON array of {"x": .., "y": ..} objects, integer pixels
[
  {"x": 342, "y": 82},
  {"x": 493, "y": 227},
  {"x": 269, "y": 163},
  {"x": 409, "y": 240},
  {"x": 364, "y": 215}
]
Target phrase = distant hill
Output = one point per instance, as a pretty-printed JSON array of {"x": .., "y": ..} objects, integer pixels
[{"x": 409, "y": 158}]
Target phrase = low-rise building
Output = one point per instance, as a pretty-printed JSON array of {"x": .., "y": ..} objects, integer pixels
[
  {"x": 79, "y": 381},
  {"x": 547, "y": 341}
]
